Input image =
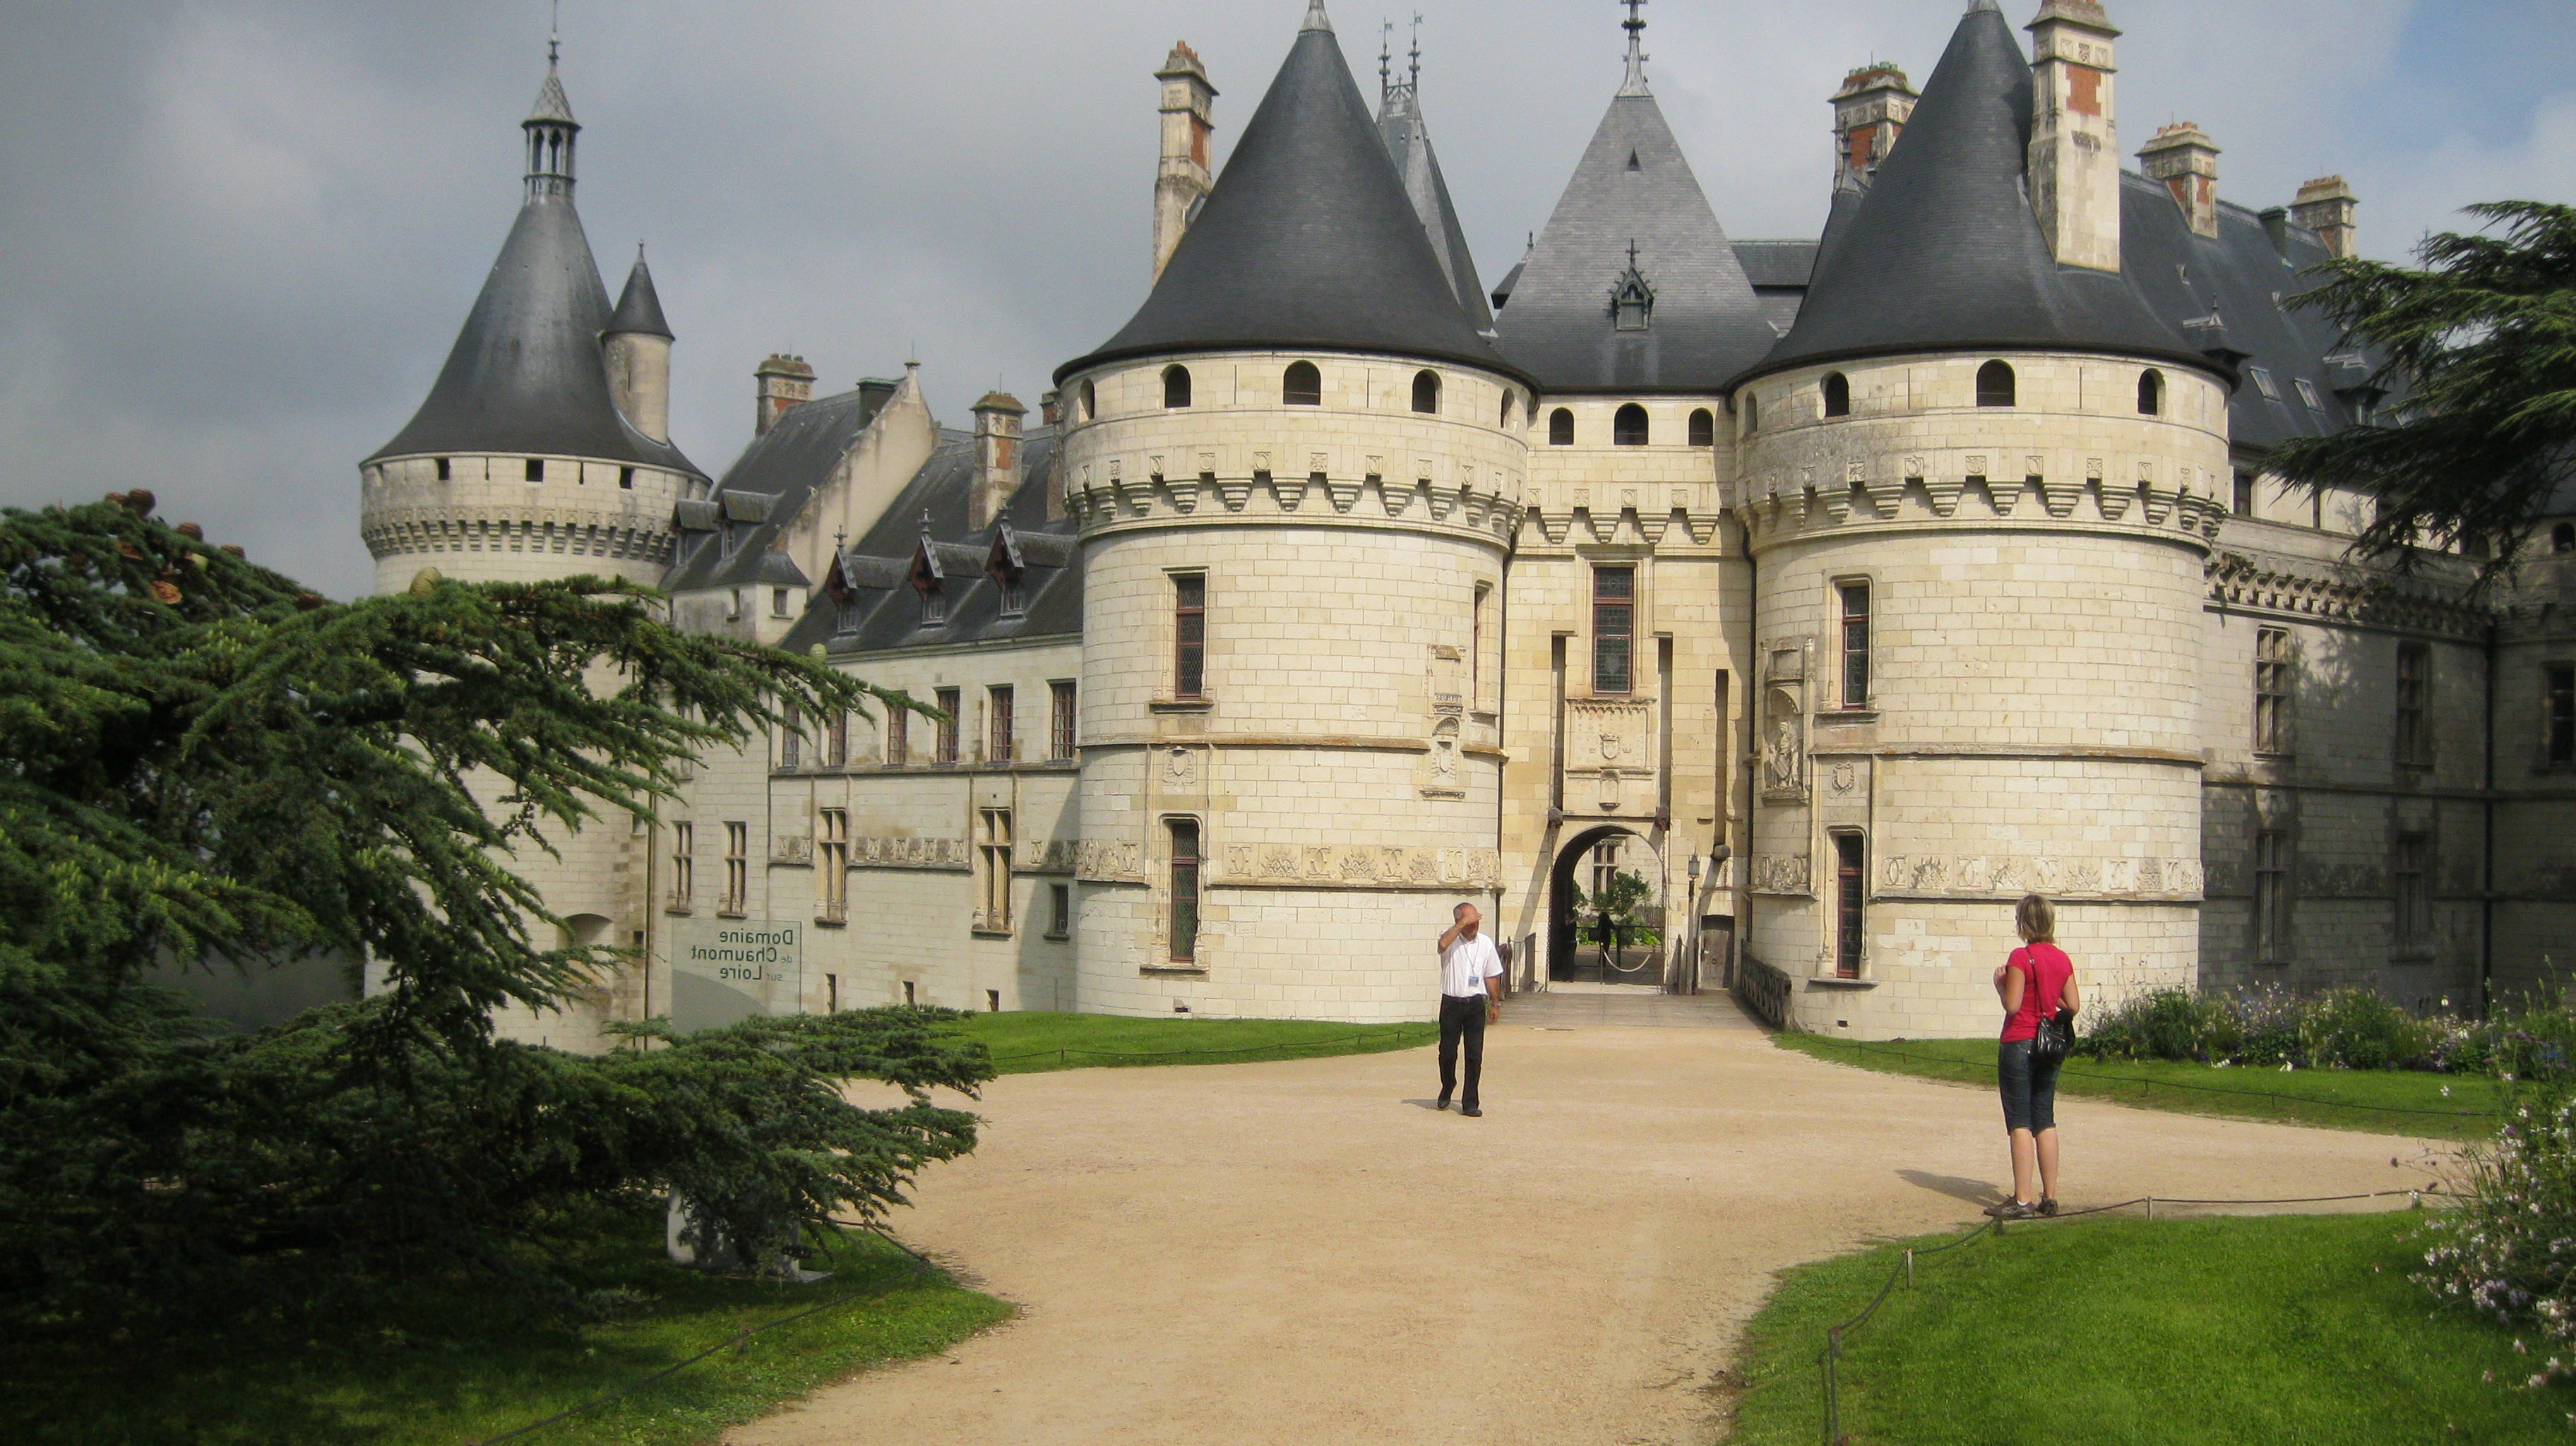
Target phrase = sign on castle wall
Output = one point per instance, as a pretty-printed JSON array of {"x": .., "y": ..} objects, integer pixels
[{"x": 723, "y": 970}]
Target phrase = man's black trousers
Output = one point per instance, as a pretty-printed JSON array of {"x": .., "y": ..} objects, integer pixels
[{"x": 1461, "y": 1019}]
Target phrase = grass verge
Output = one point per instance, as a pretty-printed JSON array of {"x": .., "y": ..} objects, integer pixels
[
  {"x": 459, "y": 1371},
  {"x": 1027, "y": 1042},
  {"x": 2113, "y": 1332},
  {"x": 2402, "y": 1102}
]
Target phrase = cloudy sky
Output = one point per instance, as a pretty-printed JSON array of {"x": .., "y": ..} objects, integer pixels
[{"x": 238, "y": 236}]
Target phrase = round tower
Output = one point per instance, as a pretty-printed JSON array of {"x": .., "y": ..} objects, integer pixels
[
  {"x": 1979, "y": 488},
  {"x": 529, "y": 459},
  {"x": 1296, "y": 472}
]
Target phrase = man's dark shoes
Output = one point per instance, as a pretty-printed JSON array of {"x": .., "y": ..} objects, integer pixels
[
  {"x": 2048, "y": 1207},
  {"x": 1442, "y": 1104},
  {"x": 1472, "y": 1112}
]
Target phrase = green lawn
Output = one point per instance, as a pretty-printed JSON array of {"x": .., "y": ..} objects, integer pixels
[
  {"x": 1027, "y": 1042},
  {"x": 2102, "y": 1332},
  {"x": 2405, "y": 1102},
  {"x": 461, "y": 1373}
]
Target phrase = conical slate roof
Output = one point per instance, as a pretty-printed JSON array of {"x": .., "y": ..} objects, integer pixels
[
  {"x": 1417, "y": 165},
  {"x": 1944, "y": 252},
  {"x": 1633, "y": 186},
  {"x": 639, "y": 307},
  {"x": 1307, "y": 240}
]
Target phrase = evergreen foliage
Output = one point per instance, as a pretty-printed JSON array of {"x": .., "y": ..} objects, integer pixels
[
  {"x": 203, "y": 764},
  {"x": 2480, "y": 352}
]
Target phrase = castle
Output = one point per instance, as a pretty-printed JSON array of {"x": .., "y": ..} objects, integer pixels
[{"x": 1844, "y": 589}]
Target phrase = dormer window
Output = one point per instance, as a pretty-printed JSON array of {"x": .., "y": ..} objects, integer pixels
[
  {"x": 778, "y": 602},
  {"x": 934, "y": 605},
  {"x": 2308, "y": 394},
  {"x": 728, "y": 538},
  {"x": 1632, "y": 299},
  {"x": 2263, "y": 383},
  {"x": 845, "y": 614}
]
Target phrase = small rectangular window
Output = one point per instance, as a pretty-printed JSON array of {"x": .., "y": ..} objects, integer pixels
[
  {"x": 1851, "y": 889},
  {"x": 1059, "y": 911},
  {"x": 684, "y": 864},
  {"x": 536, "y": 469},
  {"x": 1482, "y": 601},
  {"x": 443, "y": 474},
  {"x": 2562, "y": 712},
  {"x": 791, "y": 736},
  {"x": 2271, "y": 897},
  {"x": 1185, "y": 890},
  {"x": 952, "y": 703},
  {"x": 2242, "y": 504},
  {"x": 898, "y": 736},
  {"x": 832, "y": 862},
  {"x": 737, "y": 892},
  {"x": 733, "y": 603},
  {"x": 1855, "y": 598},
  {"x": 2308, "y": 394},
  {"x": 1189, "y": 635},
  {"x": 2414, "y": 714},
  {"x": 1060, "y": 729},
  {"x": 1001, "y": 745},
  {"x": 2272, "y": 698},
  {"x": 934, "y": 606},
  {"x": 836, "y": 742},
  {"x": 2263, "y": 382},
  {"x": 626, "y": 478},
  {"x": 778, "y": 602},
  {"x": 1614, "y": 624},
  {"x": 2410, "y": 898},
  {"x": 993, "y": 848}
]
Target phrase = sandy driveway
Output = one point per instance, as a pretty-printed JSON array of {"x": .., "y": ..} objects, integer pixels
[{"x": 1304, "y": 1253}]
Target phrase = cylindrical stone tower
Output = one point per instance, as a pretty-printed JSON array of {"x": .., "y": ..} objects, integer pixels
[
  {"x": 1296, "y": 479},
  {"x": 1978, "y": 492}
]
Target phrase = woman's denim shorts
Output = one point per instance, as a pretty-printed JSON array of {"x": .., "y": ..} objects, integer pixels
[{"x": 2029, "y": 1090}]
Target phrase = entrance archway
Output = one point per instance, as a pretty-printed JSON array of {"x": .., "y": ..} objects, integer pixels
[{"x": 1575, "y": 954}]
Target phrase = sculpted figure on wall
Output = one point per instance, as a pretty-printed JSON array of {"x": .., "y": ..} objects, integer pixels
[{"x": 1784, "y": 764}]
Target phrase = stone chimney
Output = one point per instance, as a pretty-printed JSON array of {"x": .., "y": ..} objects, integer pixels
[
  {"x": 2184, "y": 157},
  {"x": 1185, "y": 178},
  {"x": 997, "y": 457},
  {"x": 1870, "y": 112},
  {"x": 2325, "y": 206},
  {"x": 2074, "y": 166},
  {"x": 783, "y": 382}
]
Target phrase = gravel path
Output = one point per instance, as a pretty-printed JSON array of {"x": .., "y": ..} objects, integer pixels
[{"x": 1305, "y": 1253}]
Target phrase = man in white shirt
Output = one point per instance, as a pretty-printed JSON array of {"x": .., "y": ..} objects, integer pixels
[{"x": 1471, "y": 997}]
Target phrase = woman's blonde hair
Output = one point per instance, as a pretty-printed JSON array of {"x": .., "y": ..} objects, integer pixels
[{"x": 2036, "y": 919}]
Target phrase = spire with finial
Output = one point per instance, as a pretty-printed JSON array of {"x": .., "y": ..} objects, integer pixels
[
  {"x": 1635, "y": 25},
  {"x": 1316, "y": 19},
  {"x": 550, "y": 129}
]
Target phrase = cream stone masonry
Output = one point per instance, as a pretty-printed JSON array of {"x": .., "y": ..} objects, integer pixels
[{"x": 2074, "y": 144}]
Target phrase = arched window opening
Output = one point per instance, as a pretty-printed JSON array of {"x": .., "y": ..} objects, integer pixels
[
  {"x": 1703, "y": 428},
  {"x": 1303, "y": 386},
  {"x": 1628, "y": 428},
  {"x": 1837, "y": 395},
  {"x": 1426, "y": 391},
  {"x": 2562, "y": 538},
  {"x": 2151, "y": 393},
  {"x": 1560, "y": 428},
  {"x": 1504, "y": 420},
  {"x": 1752, "y": 414},
  {"x": 1176, "y": 386},
  {"x": 1995, "y": 385},
  {"x": 1090, "y": 403}
]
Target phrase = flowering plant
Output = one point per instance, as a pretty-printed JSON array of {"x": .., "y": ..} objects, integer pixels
[{"x": 2509, "y": 1250}]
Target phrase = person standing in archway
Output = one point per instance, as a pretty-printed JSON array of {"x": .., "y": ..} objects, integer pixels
[
  {"x": 1471, "y": 997},
  {"x": 2036, "y": 983}
]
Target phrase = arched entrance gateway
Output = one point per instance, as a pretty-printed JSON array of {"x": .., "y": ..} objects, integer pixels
[{"x": 1586, "y": 871}]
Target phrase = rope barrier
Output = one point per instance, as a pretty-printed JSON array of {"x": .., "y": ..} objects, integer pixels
[
  {"x": 2144, "y": 1084},
  {"x": 740, "y": 1341},
  {"x": 1829, "y": 1359},
  {"x": 1062, "y": 1054}
]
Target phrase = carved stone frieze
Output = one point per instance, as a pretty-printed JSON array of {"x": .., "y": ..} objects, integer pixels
[
  {"x": 909, "y": 853},
  {"x": 1359, "y": 866},
  {"x": 1782, "y": 874},
  {"x": 1109, "y": 861},
  {"x": 1934, "y": 876},
  {"x": 794, "y": 848}
]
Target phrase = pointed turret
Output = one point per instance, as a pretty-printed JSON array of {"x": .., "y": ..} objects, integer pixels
[
  {"x": 1690, "y": 320},
  {"x": 637, "y": 349},
  {"x": 1943, "y": 252},
  {"x": 1307, "y": 240},
  {"x": 1408, "y": 147},
  {"x": 528, "y": 375}
]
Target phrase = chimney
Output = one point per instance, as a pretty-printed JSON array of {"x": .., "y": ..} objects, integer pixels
[
  {"x": 1184, "y": 179},
  {"x": 783, "y": 382},
  {"x": 997, "y": 457},
  {"x": 2074, "y": 166},
  {"x": 2325, "y": 206},
  {"x": 1051, "y": 408},
  {"x": 2184, "y": 157},
  {"x": 1870, "y": 112}
]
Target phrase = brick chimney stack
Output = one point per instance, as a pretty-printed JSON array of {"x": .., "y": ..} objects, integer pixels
[
  {"x": 1185, "y": 177},
  {"x": 1870, "y": 112},
  {"x": 2325, "y": 206},
  {"x": 2186, "y": 160},
  {"x": 782, "y": 382},
  {"x": 997, "y": 457},
  {"x": 2074, "y": 165}
]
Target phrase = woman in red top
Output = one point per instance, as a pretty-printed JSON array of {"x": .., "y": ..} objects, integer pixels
[{"x": 2034, "y": 983}]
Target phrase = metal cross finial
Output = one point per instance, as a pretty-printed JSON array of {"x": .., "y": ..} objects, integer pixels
[
  {"x": 1385, "y": 56},
  {"x": 1635, "y": 21},
  {"x": 1632, "y": 253},
  {"x": 554, "y": 31}
]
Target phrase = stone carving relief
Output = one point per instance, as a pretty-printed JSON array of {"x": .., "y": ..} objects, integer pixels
[
  {"x": 1361, "y": 866},
  {"x": 2009, "y": 877},
  {"x": 1108, "y": 860},
  {"x": 1181, "y": 768},
  {"x": 1844, "y": 778},
  {"x": 1784, "y": 747},
  {"x": 909, "y": 853},
  {"x": 791, "y": 849},
  {"x": 1781, "y": 874}
]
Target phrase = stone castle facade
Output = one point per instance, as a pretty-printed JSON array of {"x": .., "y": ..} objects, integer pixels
[{"x": 1844, "y": 589}]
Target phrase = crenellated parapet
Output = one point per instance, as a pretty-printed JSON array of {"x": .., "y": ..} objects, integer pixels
[
  {"x": 517, "y": 518},
  {"x": 1920, "y": 490}
]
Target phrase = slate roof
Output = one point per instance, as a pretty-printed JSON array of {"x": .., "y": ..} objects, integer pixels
[
  {"x": 766, "y": 487},
  {"x": 1307, "y": 240},
  {"x": 1779, "y": 271},
  {"x": 639, "y": 307},
  {"x": 1707, "y": 323},
  {"x": 1944, "y": 252},
  {"x": 1417, "y": 165}
]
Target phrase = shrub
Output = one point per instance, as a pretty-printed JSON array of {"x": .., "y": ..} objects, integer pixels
[
  {"x": 2509, "y": 1250},
  {"x": 2357, "y": 1029}
]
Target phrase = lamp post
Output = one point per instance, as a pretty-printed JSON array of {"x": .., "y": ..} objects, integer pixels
[{"x": 1695, "y": 940}]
